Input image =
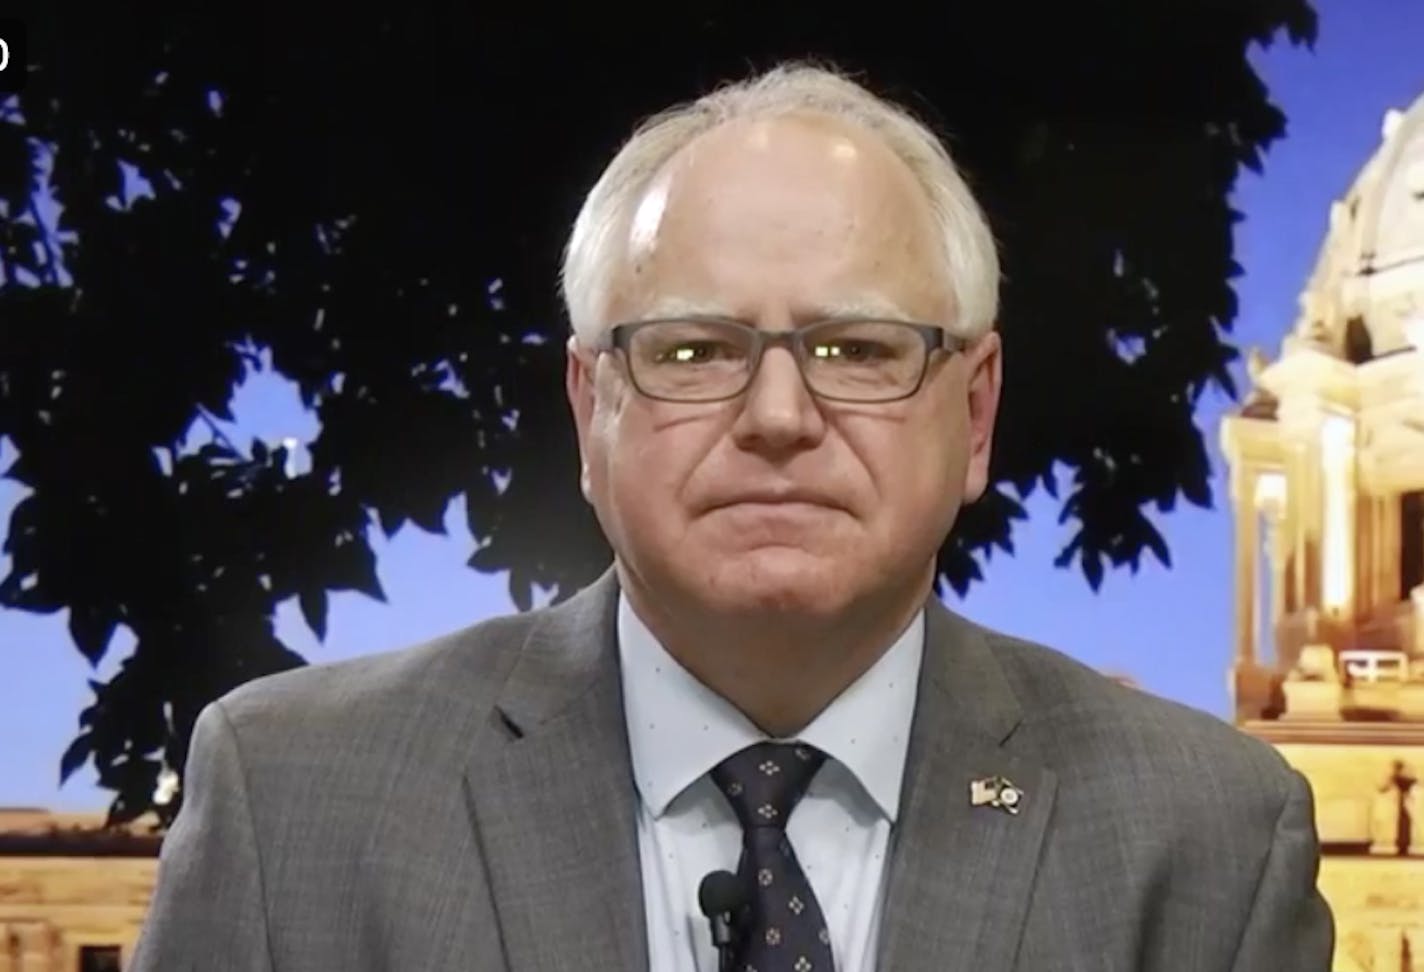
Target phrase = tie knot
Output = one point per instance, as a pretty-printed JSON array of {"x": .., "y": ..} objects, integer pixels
[{"x": 765, "y": 781}]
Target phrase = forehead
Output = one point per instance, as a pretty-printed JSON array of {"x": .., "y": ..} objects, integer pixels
[
  {"x": 807, "y": 212},
  {"x": 868, "y": 304}
]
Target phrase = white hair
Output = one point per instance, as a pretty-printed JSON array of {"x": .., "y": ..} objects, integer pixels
[{"x": 789, "y": 89}]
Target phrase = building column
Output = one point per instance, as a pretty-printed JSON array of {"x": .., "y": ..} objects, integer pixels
[
  {"x": 1270, "y": 495},
  {"x": 1305, "y": 468},
  {"x": 1243, "y": 490},
  {"x": 1417, "y": 596},
  {"x": 1338, "y": 514},
  {"x": 1373, "y": 564}
]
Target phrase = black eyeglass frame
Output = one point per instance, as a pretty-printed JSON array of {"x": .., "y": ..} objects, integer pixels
[{"x": 619, "y": 337}]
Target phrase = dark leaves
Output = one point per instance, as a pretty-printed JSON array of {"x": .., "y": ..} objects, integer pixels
[
  {"x": 91, "y": 627},
  {"x": 979, "y": 528},
  {"x": 313, "y": 602},
  {"x": 75, "y": 756}
]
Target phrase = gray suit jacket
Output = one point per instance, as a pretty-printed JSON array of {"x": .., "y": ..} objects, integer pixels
[{"x": 468, "y": 804}]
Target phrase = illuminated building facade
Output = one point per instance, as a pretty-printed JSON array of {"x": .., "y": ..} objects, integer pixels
[
  {"x": 1327, "y": 482},
  {"x": 72, "y": 895}
]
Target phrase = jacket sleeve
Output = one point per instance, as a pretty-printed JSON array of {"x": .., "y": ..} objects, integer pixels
[
  {"x": 1289, "y": 925},
  {"x": 207, "y": 910}
]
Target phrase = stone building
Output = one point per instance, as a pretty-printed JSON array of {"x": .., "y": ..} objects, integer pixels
[
  {"x": 1327, "y": 482},
  {"x": 72, "y": 895}
]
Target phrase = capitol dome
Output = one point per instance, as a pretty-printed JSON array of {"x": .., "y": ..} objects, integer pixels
[{"x": 1365, "y": 297}]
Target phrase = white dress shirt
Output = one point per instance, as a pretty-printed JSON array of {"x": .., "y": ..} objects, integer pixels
[{"x": 679, "y": 729}]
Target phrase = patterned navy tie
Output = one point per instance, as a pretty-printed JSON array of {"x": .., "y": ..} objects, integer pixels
[{"x": 784, "y": 930}]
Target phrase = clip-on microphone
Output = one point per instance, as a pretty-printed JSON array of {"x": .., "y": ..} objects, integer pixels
[{"x": 721, "y": 897}]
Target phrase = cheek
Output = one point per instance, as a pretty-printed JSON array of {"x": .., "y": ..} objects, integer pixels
[
  {"x": 917, "y": 470},
  {"x": 924, "y": 473},
  {"x": 601, "y": 446},
  {"x": 643, "y": 468}
]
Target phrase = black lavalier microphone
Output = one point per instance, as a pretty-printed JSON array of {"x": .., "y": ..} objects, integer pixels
[{"x": 722, "y": 897}]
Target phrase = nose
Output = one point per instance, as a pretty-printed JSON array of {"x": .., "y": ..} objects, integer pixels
[{"x": 779, "y": 412}]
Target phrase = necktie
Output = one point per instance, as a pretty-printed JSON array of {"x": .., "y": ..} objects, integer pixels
[{"x": 785, "y": 930}]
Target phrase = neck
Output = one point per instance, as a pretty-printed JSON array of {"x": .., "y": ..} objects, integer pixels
[{"x": 779, "y": 672}]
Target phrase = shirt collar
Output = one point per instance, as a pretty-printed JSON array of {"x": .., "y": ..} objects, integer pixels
[{"x": 679, "y": 729}]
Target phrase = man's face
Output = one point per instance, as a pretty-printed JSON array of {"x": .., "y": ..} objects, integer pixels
[{"x": 778, "y": 223}]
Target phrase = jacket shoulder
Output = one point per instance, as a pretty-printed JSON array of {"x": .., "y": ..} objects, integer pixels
[{"x": 336, "y": 705}]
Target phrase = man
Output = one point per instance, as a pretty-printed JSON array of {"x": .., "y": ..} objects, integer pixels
[{"x": 784, "y": 376}]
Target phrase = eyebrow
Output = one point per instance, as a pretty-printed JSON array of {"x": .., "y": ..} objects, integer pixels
[{"x": 868, "y": 304}]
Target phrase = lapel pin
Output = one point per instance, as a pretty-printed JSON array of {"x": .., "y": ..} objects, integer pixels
[{"x": 995, "y": 791}]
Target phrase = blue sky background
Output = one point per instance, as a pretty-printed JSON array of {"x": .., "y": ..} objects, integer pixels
[{"x": 1170, "y": 629}]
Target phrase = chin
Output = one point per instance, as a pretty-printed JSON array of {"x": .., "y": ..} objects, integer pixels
[{"x": 775, "y": 580}]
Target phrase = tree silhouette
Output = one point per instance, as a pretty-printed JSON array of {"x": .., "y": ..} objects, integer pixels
[{"x": 380, "y": 203}]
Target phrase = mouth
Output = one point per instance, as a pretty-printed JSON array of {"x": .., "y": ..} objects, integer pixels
[{"x": 777, "y": 500}]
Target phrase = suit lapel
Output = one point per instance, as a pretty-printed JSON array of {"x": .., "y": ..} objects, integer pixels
[
  {"x": 961, "y": 876},
  {"x": 552, "y": 798},
  {"x": 551, "y": 793}
]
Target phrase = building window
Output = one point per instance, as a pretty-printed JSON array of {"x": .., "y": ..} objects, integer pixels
[
  {"x": 1411, "y": 548},
  {"x": 100, "y": 958}
]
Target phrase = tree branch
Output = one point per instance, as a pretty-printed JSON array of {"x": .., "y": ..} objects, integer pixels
[{"x": 218, "y": 433}]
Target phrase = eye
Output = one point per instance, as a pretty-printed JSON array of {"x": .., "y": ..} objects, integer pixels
[
  {"x": 697, "y": 352},
  {"x": 852, "y": 350}
]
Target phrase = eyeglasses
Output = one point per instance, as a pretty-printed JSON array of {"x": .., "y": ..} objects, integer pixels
[{"x": 709, "y": 359}]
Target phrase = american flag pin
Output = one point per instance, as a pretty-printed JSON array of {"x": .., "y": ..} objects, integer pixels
[{"x": 995, "y": 791}]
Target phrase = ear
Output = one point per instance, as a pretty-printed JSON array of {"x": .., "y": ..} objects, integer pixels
[
  {"x": 578, "y": 386},
  {"x": 985, "y": 361}
]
